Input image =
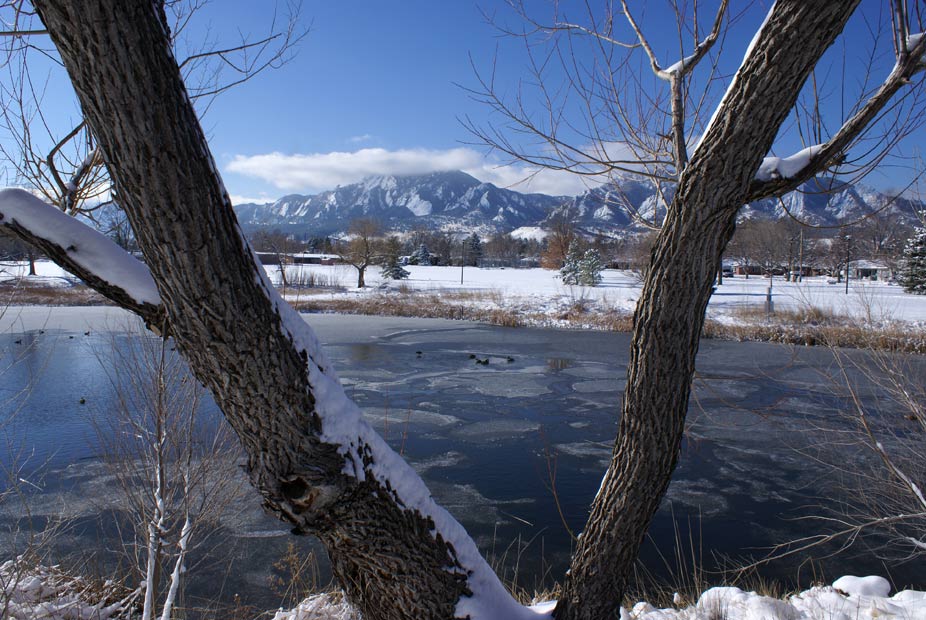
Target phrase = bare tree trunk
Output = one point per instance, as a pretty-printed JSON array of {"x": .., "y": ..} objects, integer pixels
[
  {"x": 670, "y": 313},
  {"x": 360, "y": 281},
  {"x": 396, "y": 554}
]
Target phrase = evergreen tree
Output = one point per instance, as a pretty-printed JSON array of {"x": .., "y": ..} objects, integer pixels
[
  {"x": 392, "y": 270},
  {"x": 473, "y": 247},
  {"x": 421, "y": 256},
  {"x": 569, "y": 273},
  {"x": 913, "y": 276},
  {"x": 590, "y": 268}
]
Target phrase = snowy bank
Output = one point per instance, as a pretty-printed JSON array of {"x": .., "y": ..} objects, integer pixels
[
  {"x": 849, "y": 598},
  {"x": 32, "y": 592}
]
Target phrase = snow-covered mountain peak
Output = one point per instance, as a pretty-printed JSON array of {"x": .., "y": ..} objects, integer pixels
[{"x": 457, "y": 201}]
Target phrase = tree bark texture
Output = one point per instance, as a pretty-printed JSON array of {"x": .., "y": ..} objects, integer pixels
[
  {"x": 388, "y": 558},
  {"x": 670, "y": 312}
]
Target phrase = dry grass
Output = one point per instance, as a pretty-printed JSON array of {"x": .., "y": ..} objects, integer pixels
[
  {"x": 467, "y": 305},
  {"x": 431, "y": 306},
  {"x": 25, "y": 294},
  {"x": 805, "y": 315},
  {"x": 813, "y": 326},
  {"x": 807, "y": 326}
]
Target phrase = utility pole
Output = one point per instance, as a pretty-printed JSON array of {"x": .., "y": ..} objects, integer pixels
[
  {"x": 848, "y": 245},
  {"x": 462, "y": 259},
  {"x": 800, "y": 258}
]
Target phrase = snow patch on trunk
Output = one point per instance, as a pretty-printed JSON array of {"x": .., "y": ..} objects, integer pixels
[
  {"x": 344, "y": 426},
  {"x": 723, "y": 99}
]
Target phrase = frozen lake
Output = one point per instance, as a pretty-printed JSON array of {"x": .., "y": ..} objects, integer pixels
[{"x": 484, "y": 437}]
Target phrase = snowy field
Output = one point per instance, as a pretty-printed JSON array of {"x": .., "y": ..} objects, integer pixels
[{"x": 540, "y": 291}]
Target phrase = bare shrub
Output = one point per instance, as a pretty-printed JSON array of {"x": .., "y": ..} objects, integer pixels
[
  {"x": 885, "y": 421},
  {"x": 302, "y": 276},
  {"x": 295, "y": 576},
  {"x": 874, "y": 447},
  {"x": 175, "y": 469}
]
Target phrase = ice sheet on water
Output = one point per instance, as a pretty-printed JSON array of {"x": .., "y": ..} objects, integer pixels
[
  {"x": 500, "y": 384},
  {"x": 600, "y": 452},
  {"x": 447, "y": 459},
  {"x": 599, "y": 385},
  {"x": 479, "y": 509},
  {"x": 495, "y": 429},
  {"x": 726, "y": 388},
  {"x": 414, "y": 418},
  {"x": 701, "y": 495},
  {"x": 590, "y": 371}
]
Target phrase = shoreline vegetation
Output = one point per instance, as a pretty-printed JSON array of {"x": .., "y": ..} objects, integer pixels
[{"x": 805, "y": 326}]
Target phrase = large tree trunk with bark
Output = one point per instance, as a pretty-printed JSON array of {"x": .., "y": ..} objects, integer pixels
[
  {"x": 670, "y": 312},
  {"x": 314, "y": 460}
]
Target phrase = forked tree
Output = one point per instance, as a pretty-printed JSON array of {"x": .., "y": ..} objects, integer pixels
[
  {"x": 316, "y": 463},
  {"x": 362, "y": 247}
]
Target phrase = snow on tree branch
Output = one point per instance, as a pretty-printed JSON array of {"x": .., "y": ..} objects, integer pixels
[
  {"x": 786, "y": 167},
  {"x": 909, "y": 62},
  {"x": 687, "y": 64},
  {"x": 83, "y": 251}
]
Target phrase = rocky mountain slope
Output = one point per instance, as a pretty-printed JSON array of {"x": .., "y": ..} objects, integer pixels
[
  {"x": 452, "y": 201},
  {"x": 458, "y": 202}
]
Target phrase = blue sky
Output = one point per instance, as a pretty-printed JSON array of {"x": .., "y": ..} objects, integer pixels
[{"x": 375, "y": 89}]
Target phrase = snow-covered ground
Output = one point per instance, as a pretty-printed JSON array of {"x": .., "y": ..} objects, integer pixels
[
  {"x": 540, "y": 291},
  {"x": 44, "y": 593},
  {"x": 849, "y": 598},
  {"x": 29, "y": 592}
]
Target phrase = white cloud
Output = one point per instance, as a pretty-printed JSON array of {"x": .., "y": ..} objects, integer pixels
[
  {"x": 300, "y": 172},
  {"x": 530, "y": 180},
  {"x": 323, "y": 171},
  {"x": 362, "y": 138},
  {"x": 240, "y": 200}
]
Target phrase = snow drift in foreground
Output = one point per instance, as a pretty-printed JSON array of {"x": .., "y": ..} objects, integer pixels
[
  {"x": 30, "y": 592},
  {"x": 849, "y": 598},
  {"x": 34, "y": 592}
]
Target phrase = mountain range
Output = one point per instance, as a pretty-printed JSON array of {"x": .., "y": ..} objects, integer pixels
[{"x": 459, "y": 203}]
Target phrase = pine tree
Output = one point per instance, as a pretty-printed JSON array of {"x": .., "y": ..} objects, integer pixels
[
  {"x": 392, "y": 270},
  {"x": 590, "y": 268},
  {"x": 913, "y": 275},
  {"x": 421, "y": 256},
  {"x": 473, "y": 250},
  {"x": 569, "y": 273}
]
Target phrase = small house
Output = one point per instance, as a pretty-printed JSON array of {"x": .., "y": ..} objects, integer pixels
[{"x": 869, "y": 270}]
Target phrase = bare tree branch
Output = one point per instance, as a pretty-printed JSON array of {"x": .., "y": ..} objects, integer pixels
[{"x": 830, "y": 153}]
